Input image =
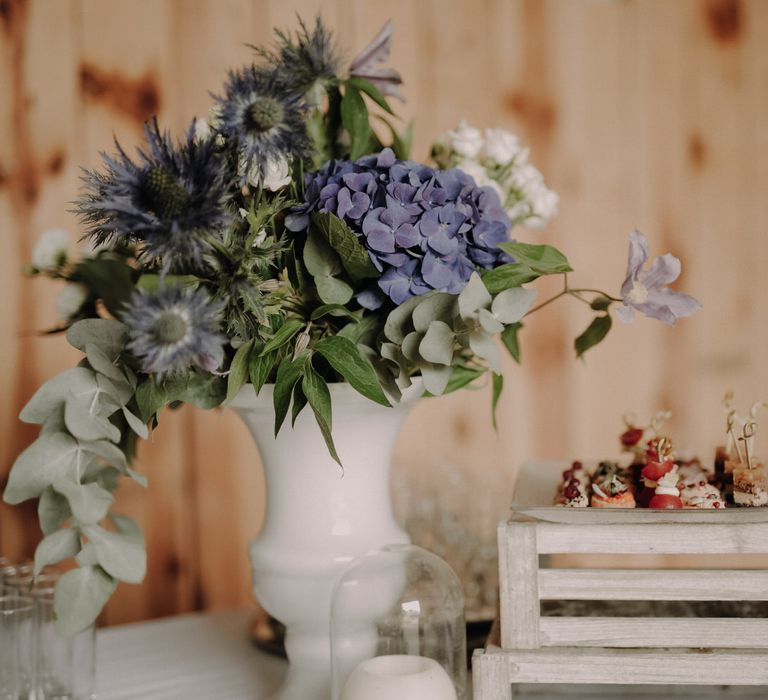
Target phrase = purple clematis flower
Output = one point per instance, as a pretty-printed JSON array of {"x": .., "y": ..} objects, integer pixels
[
  {"x": 367, "y": 64},
  {"x": 647, "y": 291}
]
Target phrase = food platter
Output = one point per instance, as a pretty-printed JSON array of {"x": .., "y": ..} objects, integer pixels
[{"x": 537, "y": 483}]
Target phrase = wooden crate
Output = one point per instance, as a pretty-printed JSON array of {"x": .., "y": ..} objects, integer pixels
[{"x": 533, "y": 648}]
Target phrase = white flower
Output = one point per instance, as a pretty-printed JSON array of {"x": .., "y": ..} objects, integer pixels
[
  {"x": 70, "y": 299},
  {"x": 243, "y": 213},
  {"x": 277, "y": 174},
  {"x": 202, "y": 130},
  {"x": 261, "y": 236},
  {"x": 465, "y": 140},
  {"x": 51, "y": 249},
  {"x": 501, "y": 146},
  {"x": 480, "y": 175}
]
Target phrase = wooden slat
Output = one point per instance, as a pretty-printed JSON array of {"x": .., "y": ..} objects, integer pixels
[
  {"x": 652, "y": 584},
  {"x": 658, "y": 538},
  {"x": 687, "y": 632},
  {"x": 635, "y": 666},
  {"x": 518, "y": 562}
]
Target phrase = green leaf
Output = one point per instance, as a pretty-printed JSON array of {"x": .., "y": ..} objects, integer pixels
[
  {"x": 364, "y": 331},
  {"x": 238, "y": 370},
  {"x": 473, "y": 297},
  {"x": 461, "y": 376},
  {"x": 319, "y": 397},
  {"x": 436, "y": 306},
  {"x": 108, "y": 334},
  {"x": 299, "y": 402},
  {"x": 110, "y": 280},
  {"x": 52, "y": 395},
  {"x": 596, "y": 331},
  {"x": 400, "y": 320},
  {"x": 110, "y": 453},
  {"x": 511, "y": 305},
  {"x": 89, "y": 502},
  {"x": 498, "y": 387},
  {"x": 52, "y": 456},
  {"x": 437, "y": 344},
  {"x": 354, "y": 117},
  {"x": 543, "y": 259},
  {"x": 371, "y": 90},
  {"x": 87, "y": 556},
  {"x": 345, "y": 357},
  {"x": 283, "y": 335},
  {"x": 199, "y": 388},
  {"x": 508, "y": 276},
  {"x": 403, "y": 142},
  {"x": 319, "y": 257},
  {"x": 288, "y": 374},
  {"x": 150, "y": 283},
  {"x": 80, "y": 595},
  {"x": 352, "y": 254},
  {"x": 120, "y": 392},
  {"x": 56, "y": 547},
  {"x": 333, "y": 310},
  {"x": 601, "y": 303},
  {"x": 121, "y": 556},
  {"x": 52, "y": 510},
  {"x": 436, "y": 377},
  {"x": 333, "y": 290},
  {"x": 150, "y": 398},
  {"x": 510, "y": 340},
  {"x": 259, "y": 368}
]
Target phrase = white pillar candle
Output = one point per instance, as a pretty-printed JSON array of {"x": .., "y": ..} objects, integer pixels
[{"x": 399, "y": 677}]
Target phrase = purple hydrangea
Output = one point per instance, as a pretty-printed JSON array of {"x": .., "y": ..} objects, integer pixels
[{"x": 424, "y": 229}]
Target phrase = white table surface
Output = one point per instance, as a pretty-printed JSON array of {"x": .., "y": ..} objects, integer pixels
[{"x": 189, "y": 657}]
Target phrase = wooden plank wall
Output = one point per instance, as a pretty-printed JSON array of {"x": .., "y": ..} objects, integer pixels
[{"x": 641, "y": 113}]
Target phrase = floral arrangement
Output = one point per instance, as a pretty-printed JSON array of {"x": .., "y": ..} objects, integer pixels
[{"x": 287, "y": 239}]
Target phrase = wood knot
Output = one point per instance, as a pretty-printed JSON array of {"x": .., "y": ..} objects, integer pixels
[
  {"x": 697, "y": 151},
  {"x": 539, "y": 114},
  {"x": 725, "y": 19},
  {"x": 137, "y": 98}
]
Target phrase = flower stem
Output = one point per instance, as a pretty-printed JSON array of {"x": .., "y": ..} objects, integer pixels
[{"x": 575, "y": 293}]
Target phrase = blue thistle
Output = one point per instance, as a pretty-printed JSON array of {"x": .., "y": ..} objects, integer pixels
[
  {"x": 174, "y": 329},
  {"x": 171, "y": 202},
  {"x": 262, "y": 117},
  {"x": 308, "y": 58}
]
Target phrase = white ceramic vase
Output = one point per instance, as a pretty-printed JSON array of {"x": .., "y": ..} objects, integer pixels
[{"x": 319, "y": 517}]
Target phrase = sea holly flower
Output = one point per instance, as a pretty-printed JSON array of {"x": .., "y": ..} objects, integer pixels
[
  {"x": 261, "y": 117},
  {"x": 647, "y": 291},
  {"x": 367, "y": 64},
  {"x": 170, "y": 202},
  {"x": 174, "y": 329}
]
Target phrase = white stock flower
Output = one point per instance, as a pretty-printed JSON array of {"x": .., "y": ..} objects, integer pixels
[
  {"x": 277, "y": 174},
  {"x": 51, "y": 249},
  {"x": 501, "y": 146},
  {"x": 70, "y": 299},
  {"x": 465, "y": 140}
]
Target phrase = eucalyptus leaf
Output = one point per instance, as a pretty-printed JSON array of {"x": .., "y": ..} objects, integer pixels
[
  {"x": 400, "y": 320},
  {"x": 596, "y": 331},
  {"x": 52, "y": 456},
  {"x": 120, "y": 392},
  {"x": 507, "y": 276},
  {"x": 56, "y": 547},
  {"x": 55, "y": 422},
  {"x": 89, "y": 502},
  {"x": 110, "y": 453},
  {"x": 333, "y": 290},
  {"x": 436, "y": 378},
  {"x": 345, "y": 357},
  {"x": 87, "y": 556},
  {"x": 510, "y": 340},
  {"x": 483, "y": 346},
  {"x": 109, "y": 335},
  {"x": 437, "y": 344},
  {"x": 111, "y": 280},
  {"x": 121, "y": 556},
  {"x": 290, "y": 328},
  {"x": 52, "y": 395},
  {"x": 136, "y": 424},
  {"x": 473, "y": 297},
  {"x": 150, "y": 398},
  {"x": 101, "y": 362},
  {"x": 127, "y": 526},
  {"x": 351, "y": 252},
  {"x": 52, "y": 510},
  {"x": 543, "y": 259},
  {"x": 511, "y": 305},
  {"x": 85, "y": 425},
  {"x": 80, "y": 595},
  {"x": 437, "y": 306},
  {"x": 238, "y": 370},
  {"x": 410, "y": 346}
]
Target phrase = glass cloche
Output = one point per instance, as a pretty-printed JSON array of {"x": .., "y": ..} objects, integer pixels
[{"x": 397, "y": 628}]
